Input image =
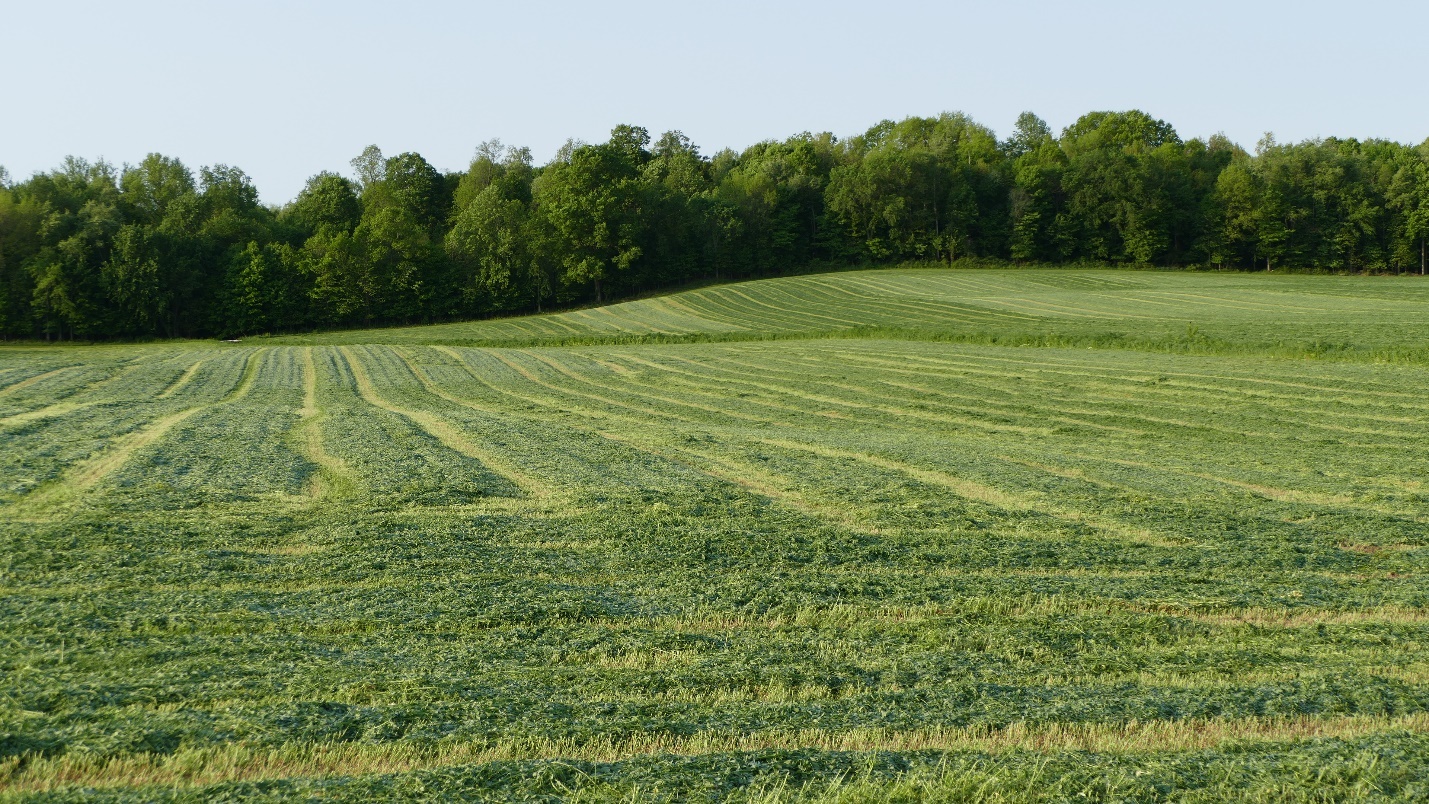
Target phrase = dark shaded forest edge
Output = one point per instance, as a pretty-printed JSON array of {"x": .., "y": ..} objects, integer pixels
[{"x": 89, "y": 251}]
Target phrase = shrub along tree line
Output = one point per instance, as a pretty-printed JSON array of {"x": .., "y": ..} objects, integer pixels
[{"x": 91, "y": 251}]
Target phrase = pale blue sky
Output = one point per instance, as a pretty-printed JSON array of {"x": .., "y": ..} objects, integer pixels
[{"x": 286, "y": 89}]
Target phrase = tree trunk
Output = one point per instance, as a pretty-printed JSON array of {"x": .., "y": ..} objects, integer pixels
[
  {"x": 1421, "y": 256},
  {"x": 598, "y": 300}
]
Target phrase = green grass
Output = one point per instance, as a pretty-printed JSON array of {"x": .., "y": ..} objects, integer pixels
[
  {"x": 1154, "y": 562},
  {"x": 1378, "y": 318}
]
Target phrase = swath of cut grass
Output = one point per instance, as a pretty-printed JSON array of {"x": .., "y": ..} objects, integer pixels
[
  {"x": 439, "y": 428},
  {"x": 237, "y": 762}
]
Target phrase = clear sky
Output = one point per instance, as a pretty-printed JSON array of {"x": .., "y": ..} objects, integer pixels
[{"x": 286, "y": 89}]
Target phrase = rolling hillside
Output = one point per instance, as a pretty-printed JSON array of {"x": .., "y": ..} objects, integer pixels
[
  {"x": 868, "y": 547},
  {"x": 1291, "y": 313}
]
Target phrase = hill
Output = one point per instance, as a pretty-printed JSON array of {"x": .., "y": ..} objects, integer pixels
[
  {"x": 1284, "y": 313},
  {"x": 1162, "y": 549}
]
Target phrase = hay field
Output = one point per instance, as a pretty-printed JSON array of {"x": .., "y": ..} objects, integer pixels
[{"x": 938, "y": 535}]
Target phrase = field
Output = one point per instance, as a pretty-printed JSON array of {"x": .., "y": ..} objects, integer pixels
[{"x": 917, "y": 534}]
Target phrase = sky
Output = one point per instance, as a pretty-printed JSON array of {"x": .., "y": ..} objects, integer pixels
[{"x": 284, "y": 90}]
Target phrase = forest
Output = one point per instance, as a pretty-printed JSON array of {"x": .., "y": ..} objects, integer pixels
[{"x": 89, "y": 251}]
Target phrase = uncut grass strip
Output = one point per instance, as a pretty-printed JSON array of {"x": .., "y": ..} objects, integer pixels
[
  {"x": 1000, "y": 498},
  {"x": 436, "y": 426},
  {"x": 195, "y": 768}
]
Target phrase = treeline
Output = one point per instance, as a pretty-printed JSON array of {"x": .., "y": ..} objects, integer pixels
[{"x": 91, "y": 251}]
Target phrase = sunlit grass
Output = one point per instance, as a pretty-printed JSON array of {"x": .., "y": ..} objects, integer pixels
[{"x": 803, "y": 563}]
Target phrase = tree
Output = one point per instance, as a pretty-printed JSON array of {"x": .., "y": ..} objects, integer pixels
[
  {"x": 1120, "y": 169},
  {"x": 133, "y": 280},
  {"x": 20, "y": 240},
  {"x": 327, "y": 201},
  {"x": 152, "y": 186},
  {"x": 370, "y": 166},
  {"x": 79, "y": 220},
  {"x": 778, "y": 190},
  {"x": 591, "y": 202},
  {"x": 417, "y": 188},
  {"x": 490, "y": 245},
  {"x": 1409, "y": 196}
]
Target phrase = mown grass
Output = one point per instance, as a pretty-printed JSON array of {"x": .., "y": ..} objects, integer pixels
[
  {"x": 820, "y": 568},
  {"x": 1374, "y": 319}
]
